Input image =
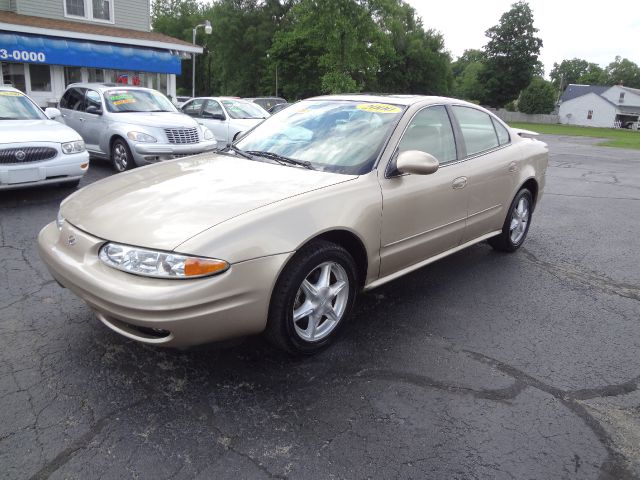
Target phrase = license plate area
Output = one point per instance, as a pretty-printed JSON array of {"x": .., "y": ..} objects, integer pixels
[{"x": 24, "y": 175}]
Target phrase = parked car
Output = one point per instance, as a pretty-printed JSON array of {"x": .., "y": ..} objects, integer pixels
[
  {"x": 131, "y": 126},
  {"x": 276, "y": 108},
  {"x": 267, "y": 102},
  {"x": 225, "y": 116},
  {"x": 180, "y": 101},
  {"x": 279, "y": 232},
  {"x": 34, "y": 149}
]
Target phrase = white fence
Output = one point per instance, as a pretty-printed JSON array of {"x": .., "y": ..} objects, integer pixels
[{"x": 525, "y": 117}]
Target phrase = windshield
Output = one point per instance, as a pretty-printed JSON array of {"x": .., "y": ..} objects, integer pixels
[
  {"x": 16, "y": 106},
  {"x": 133, "y": 100},
  {"x": 335, "y": 136},
  {"x": 239, "y": 109}
]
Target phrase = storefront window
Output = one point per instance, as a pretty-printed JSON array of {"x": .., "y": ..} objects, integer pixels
[
  {"x": 40, "y": 78},
  {"x": 96, "y": 75},
  {"x": 122, "y": 78},
  {"x": 154, "y": 80},
  {"x": 163, "y": 83},
  {"x": 140, "y": 79},
  {"x": 109, "y": 76},
  {"x": 13, "y": 74},
  {"x": 72, "y": 75}
]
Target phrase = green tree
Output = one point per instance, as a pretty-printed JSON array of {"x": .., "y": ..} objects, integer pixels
[
  {"x": 511, "y": 55},
  {"x": 576, "y": 70},
  {"x": 468, "y": 85},
  {"x": 623, "y": 71},
  {"x": 538, "y": 97}
]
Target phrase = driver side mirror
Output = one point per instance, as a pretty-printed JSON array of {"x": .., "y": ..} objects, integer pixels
[
  {"x": 417, "y": 162},
  {"x": 52, "y": 113},
  {"x": 238, "y": 135},
  {"x": 94, "y": 110}
]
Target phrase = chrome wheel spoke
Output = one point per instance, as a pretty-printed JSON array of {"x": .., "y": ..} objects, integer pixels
[
  {"x": 331, "y": 315},
  {"x": 325, "y": 276},
  {"x": 304, "y": 310},
  {"x": 309, "y": 289},
  {"x": 336, "y": 288},
  {"x": 311, "y": 327}
]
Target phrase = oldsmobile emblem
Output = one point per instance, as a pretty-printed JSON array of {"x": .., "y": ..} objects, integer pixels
[
  {"x": 20, "y": 155},
  {"x": 71, "y": 241}
]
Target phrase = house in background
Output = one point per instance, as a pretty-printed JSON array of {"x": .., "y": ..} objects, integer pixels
[
  {"x": 600, "y": 106},
  {"x": 47, "y": 44}
]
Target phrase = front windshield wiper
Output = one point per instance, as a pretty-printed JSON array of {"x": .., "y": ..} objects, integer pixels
[
  {"x": 16, "y": 118},
  {"x": 235, "y": 149},
  {"x": 282, "y": 159}
]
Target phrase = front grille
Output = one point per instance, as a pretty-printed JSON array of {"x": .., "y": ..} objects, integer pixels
[
  {"x": 182, "y": 135},
  {"x": 26, "y": 155}
]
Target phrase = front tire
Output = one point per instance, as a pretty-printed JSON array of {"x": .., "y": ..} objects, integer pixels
[
  {"x": 516, "y": 225},
  {"x": 312, "y": 298},
  {"x": 121, "y": 157}
]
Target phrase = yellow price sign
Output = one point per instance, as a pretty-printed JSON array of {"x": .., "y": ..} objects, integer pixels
[
  {"x": 379, "y": 108},
  {"x": 11, "y": 94}
]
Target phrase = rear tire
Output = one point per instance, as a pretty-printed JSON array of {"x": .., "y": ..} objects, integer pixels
[
  {"x": 121, "y": 157},
  {"x": 516, "y": 225},
  {"x": 312, "y": 299}
]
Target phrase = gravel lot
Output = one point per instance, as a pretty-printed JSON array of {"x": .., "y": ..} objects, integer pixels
[{"x": 483, "y": 365}]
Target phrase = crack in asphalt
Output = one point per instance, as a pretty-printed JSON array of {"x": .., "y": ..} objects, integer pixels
[
  {"x": 592, "y": 279},
  {"x": 80, "y": 444},
  {"x": 615, "y": 467},
  {"x": 592, "y": 196}
]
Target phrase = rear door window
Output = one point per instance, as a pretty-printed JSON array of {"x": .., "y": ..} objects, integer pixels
[{"x": 477, "y": 129}]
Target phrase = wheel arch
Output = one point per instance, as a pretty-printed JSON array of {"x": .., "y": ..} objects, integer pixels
[{"x": 531, "y": 184}]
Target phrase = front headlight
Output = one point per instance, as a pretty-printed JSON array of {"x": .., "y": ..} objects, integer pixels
[
  {"x": 59, "y": 220},
  {"x": 152, "y": 263},
  {"x": 206, "y": 133},
  {"x": 141, "y": 137},
  {"x": 73, "y": 147}
]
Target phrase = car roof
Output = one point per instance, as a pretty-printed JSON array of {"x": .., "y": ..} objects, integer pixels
[
  {"x": 406, "y": 100},
  {"x": 103, "y": 87}
]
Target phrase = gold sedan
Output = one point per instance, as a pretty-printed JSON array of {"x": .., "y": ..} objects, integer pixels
[{"x": 278, "y": 232}]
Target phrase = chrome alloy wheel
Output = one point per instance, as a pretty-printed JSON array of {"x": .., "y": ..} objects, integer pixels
[
  {"x": 120, "y": 157},
  {"x": 519, "y": 221},
  {"x": 321, "y": 301}
]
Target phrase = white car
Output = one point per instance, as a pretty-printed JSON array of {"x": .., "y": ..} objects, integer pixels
[
  {"x": 225, "y": 117},
  {"x": 34, "y": 149}
]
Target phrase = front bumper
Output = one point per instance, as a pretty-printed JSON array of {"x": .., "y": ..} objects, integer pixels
[
  {"x": 172, "y": 313},
  {"x": 154, "y": 152},
  {"x": 62, "y": 168}
]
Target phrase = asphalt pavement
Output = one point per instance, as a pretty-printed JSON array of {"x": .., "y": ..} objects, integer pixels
[{"x": 483, "y": 365}]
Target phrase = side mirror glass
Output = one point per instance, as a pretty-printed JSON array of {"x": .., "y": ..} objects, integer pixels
[
  {"x": 52, "y": 113},
  {"x": 94, "y": 110},
  {"x": 417, "y": 162}
]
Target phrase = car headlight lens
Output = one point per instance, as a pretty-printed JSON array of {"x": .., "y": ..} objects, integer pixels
[
  {"x": 141, "y": 137},
  {"x": 73, "y": 147},
  {"x": 207, "y": 134},
  {"x": 152, "y": 263},
  {"x": 59, "y": 220}
]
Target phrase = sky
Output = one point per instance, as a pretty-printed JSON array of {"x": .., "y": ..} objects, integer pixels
[{"x": 592, "y": 31}]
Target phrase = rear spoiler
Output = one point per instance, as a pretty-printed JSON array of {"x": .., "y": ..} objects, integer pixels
[{"x": 525, "y": 133}]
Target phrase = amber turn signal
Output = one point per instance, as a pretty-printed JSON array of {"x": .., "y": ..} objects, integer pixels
[{"x": 197, "y": 267}]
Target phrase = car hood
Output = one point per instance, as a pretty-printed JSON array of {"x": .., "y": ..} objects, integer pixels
[
  {"x": 163, "y": 205},
  {"x": 156, "y": 119},
  {"x": 23, "y": 131}
]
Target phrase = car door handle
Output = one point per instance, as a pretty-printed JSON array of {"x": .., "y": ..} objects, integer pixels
[
  {"x": 513, "y": 166},
  {"x": 459, "y": 182}
]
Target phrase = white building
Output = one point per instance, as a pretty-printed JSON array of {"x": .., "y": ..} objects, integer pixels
[{"x": 599, "y": 106}]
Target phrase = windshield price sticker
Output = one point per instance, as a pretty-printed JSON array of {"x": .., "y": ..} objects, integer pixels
[
  {"x": 22, "y": 55},
  {"x": 124, "y": 101},
  {"x": 120, "y": 96},
  {"x": 10, "y": 94},
  {"x": 378, "y": 108}
]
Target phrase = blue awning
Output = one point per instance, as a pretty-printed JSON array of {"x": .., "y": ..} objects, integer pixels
[{"x": 56, "y": 51}]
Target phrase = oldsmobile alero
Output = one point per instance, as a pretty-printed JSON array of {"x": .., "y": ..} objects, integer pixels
[{"x": 278, "y": 232}]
